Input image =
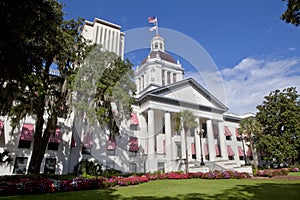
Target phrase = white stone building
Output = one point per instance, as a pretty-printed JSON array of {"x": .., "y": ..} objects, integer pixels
[{"x": 148, "y": 141}]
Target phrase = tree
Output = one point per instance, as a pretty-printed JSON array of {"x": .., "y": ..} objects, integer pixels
[
  {"x": 279, "y": 118},
  {"x": 292, "y": 13},
  {"x": 185, "y": 121},
  {"x": 251, "y": 129},
  {"x": 104, "y": 90},
  {"x": 29, "y": 89}
]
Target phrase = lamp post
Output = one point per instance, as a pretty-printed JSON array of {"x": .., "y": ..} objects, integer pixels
[
  {"x": 245, "y": 157},
  {"x": 200, "y": 133}
]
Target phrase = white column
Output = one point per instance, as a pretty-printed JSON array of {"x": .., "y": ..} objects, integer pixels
[
  {"x": 210, "y": 140},
  {"x": 223, "y": 147},
  {"x": 171, "y": 77},
  {"x": 183, "y": 147},
  {"x": 168, "y": 135},
  {"x": 151, "y": 134},
  {"x": 197, "y": 141}
]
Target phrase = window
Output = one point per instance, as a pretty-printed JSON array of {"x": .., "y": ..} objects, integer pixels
[
  {"x": 50, "y": 164},
  {"x": 174, "y": 78},
  {"x": 26, "y": 135},
  {"x": 134, "y": 122},
  {"x": 20, "y": 165},
  {"x": 161, "y": 167},
  {"x": 54, "y": 140},
  {"x": 87, "y": 143},
  {"x": 133, "y": 146},
  {"x": 193, "y": 150},
  {"x": 132, "y": 167},
  {"x": 203, "y": 126},
  {"x": 111, "y": 146},
  {"x": 178, "y": 150},
  {"x": 228, "y": 138}
]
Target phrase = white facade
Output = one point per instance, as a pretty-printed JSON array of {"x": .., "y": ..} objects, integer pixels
[
  {"x": 107, "y": 34},
  {"x": 148, "y": 141}
]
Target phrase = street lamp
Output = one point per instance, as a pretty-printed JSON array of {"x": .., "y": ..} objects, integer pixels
[
  {"x": 245, "y": 157},
  {"x": 200, "y": 133}
]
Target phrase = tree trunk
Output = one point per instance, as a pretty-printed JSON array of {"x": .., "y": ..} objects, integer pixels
[
  {"x": 255, "y": 162},
  {"x": 186, "y": 153},
  {"x": 35, "y": 161}
]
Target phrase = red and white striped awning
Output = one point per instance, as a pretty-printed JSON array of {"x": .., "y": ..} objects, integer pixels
[
  {"x": 134, "y": 119},
  {"x": 27, "y": 132},
  {"x": 218, "y": 152},
  {"x": 241, "y": 152},
  {"x": 205, "y": 149},
  {"x": 230, "y": 151},
  {"x": 87, "y": 140},
  {"x": 249, "y": 152},
  {"x": 227, "y": 131},
  {"x": 111, "y": 143},
  {"x": 55, "y": 138},
  {"x": 193, "y": 148},
  {"x": 133, "y": 144}
]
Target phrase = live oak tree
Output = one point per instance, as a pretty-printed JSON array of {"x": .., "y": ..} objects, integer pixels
[
  {"x": 105, "y": 91},
  {"x": 185, "y": 120},
  {"x": 40, "y": 38},
  {"x": 280, "y": 123},
  {"x": 292, "y": 13}
]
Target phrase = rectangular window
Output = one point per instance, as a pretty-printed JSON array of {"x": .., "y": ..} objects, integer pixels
[
  {"x": 161, "y": 167},
  {"x": 174, "y": 78},
  {"x": 132, "y": 167},
  {"x": 54, "y": 140},
  {"x": 26, "y": 136},
  {"x": 178, "y": 150},
  {"x": 50, "y": 164},
  {"x": 228, "y": 138},
  {"x": 168, "y": 77},
  {"x": 20, "y": 165}
]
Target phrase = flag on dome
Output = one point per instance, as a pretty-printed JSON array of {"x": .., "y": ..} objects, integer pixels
[{"x": 152, "y": 19}]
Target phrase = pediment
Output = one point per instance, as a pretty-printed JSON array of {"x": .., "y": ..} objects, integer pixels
[{"x": 186, "y": 92}]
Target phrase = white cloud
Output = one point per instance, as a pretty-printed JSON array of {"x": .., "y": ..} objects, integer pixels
[{"x": 249, "y": 81}]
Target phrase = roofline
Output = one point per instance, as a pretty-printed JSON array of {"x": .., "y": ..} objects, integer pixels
[
  {"x": 197, "y": 86},
  {"x": 101, "y": 21}
]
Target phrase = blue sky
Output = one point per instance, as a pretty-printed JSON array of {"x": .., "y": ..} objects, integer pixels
[{"x": 254, "y": 51}]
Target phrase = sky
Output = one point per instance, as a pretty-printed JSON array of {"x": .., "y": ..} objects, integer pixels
[{"x": 253, "y": 51}]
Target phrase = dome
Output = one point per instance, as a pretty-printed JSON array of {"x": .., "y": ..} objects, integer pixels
[{"x": 163, "y": 56}]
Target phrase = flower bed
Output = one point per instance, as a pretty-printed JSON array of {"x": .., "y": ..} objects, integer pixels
[
  {"x": 272, "y": 172},
  {"x": 45, "y": 185}
]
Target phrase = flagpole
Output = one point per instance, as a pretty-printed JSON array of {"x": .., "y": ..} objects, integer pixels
[{"x": 156, "y": 25}]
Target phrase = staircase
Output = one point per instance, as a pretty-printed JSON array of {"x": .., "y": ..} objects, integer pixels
[{"x": 220, "y": 165}]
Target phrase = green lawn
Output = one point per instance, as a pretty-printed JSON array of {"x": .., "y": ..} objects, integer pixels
[
  {"x": 294, "y": 174},
  {"x": 187, "y": 189}
]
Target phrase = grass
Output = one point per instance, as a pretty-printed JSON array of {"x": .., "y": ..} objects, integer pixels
[
  {"x": 189, "y": 189},
  {"x": 294, "y": 174}
]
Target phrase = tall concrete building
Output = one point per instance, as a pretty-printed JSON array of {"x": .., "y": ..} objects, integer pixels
[{"x": 105, "y": 33}]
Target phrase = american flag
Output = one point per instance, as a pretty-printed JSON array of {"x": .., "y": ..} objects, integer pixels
[{"x": 152, "y": 19}]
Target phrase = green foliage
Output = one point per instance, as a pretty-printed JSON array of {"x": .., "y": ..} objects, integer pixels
[
  {"x": 88, "y": 168},
  {"x": 104, "y": 90},
  {"x": 185, "y": 120},
  {"x": 40, "y": 38},
  {"x": 280, "y": 123},
  {"x": 292, "y": 13},
  {"x": 5, "y": 158}
]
